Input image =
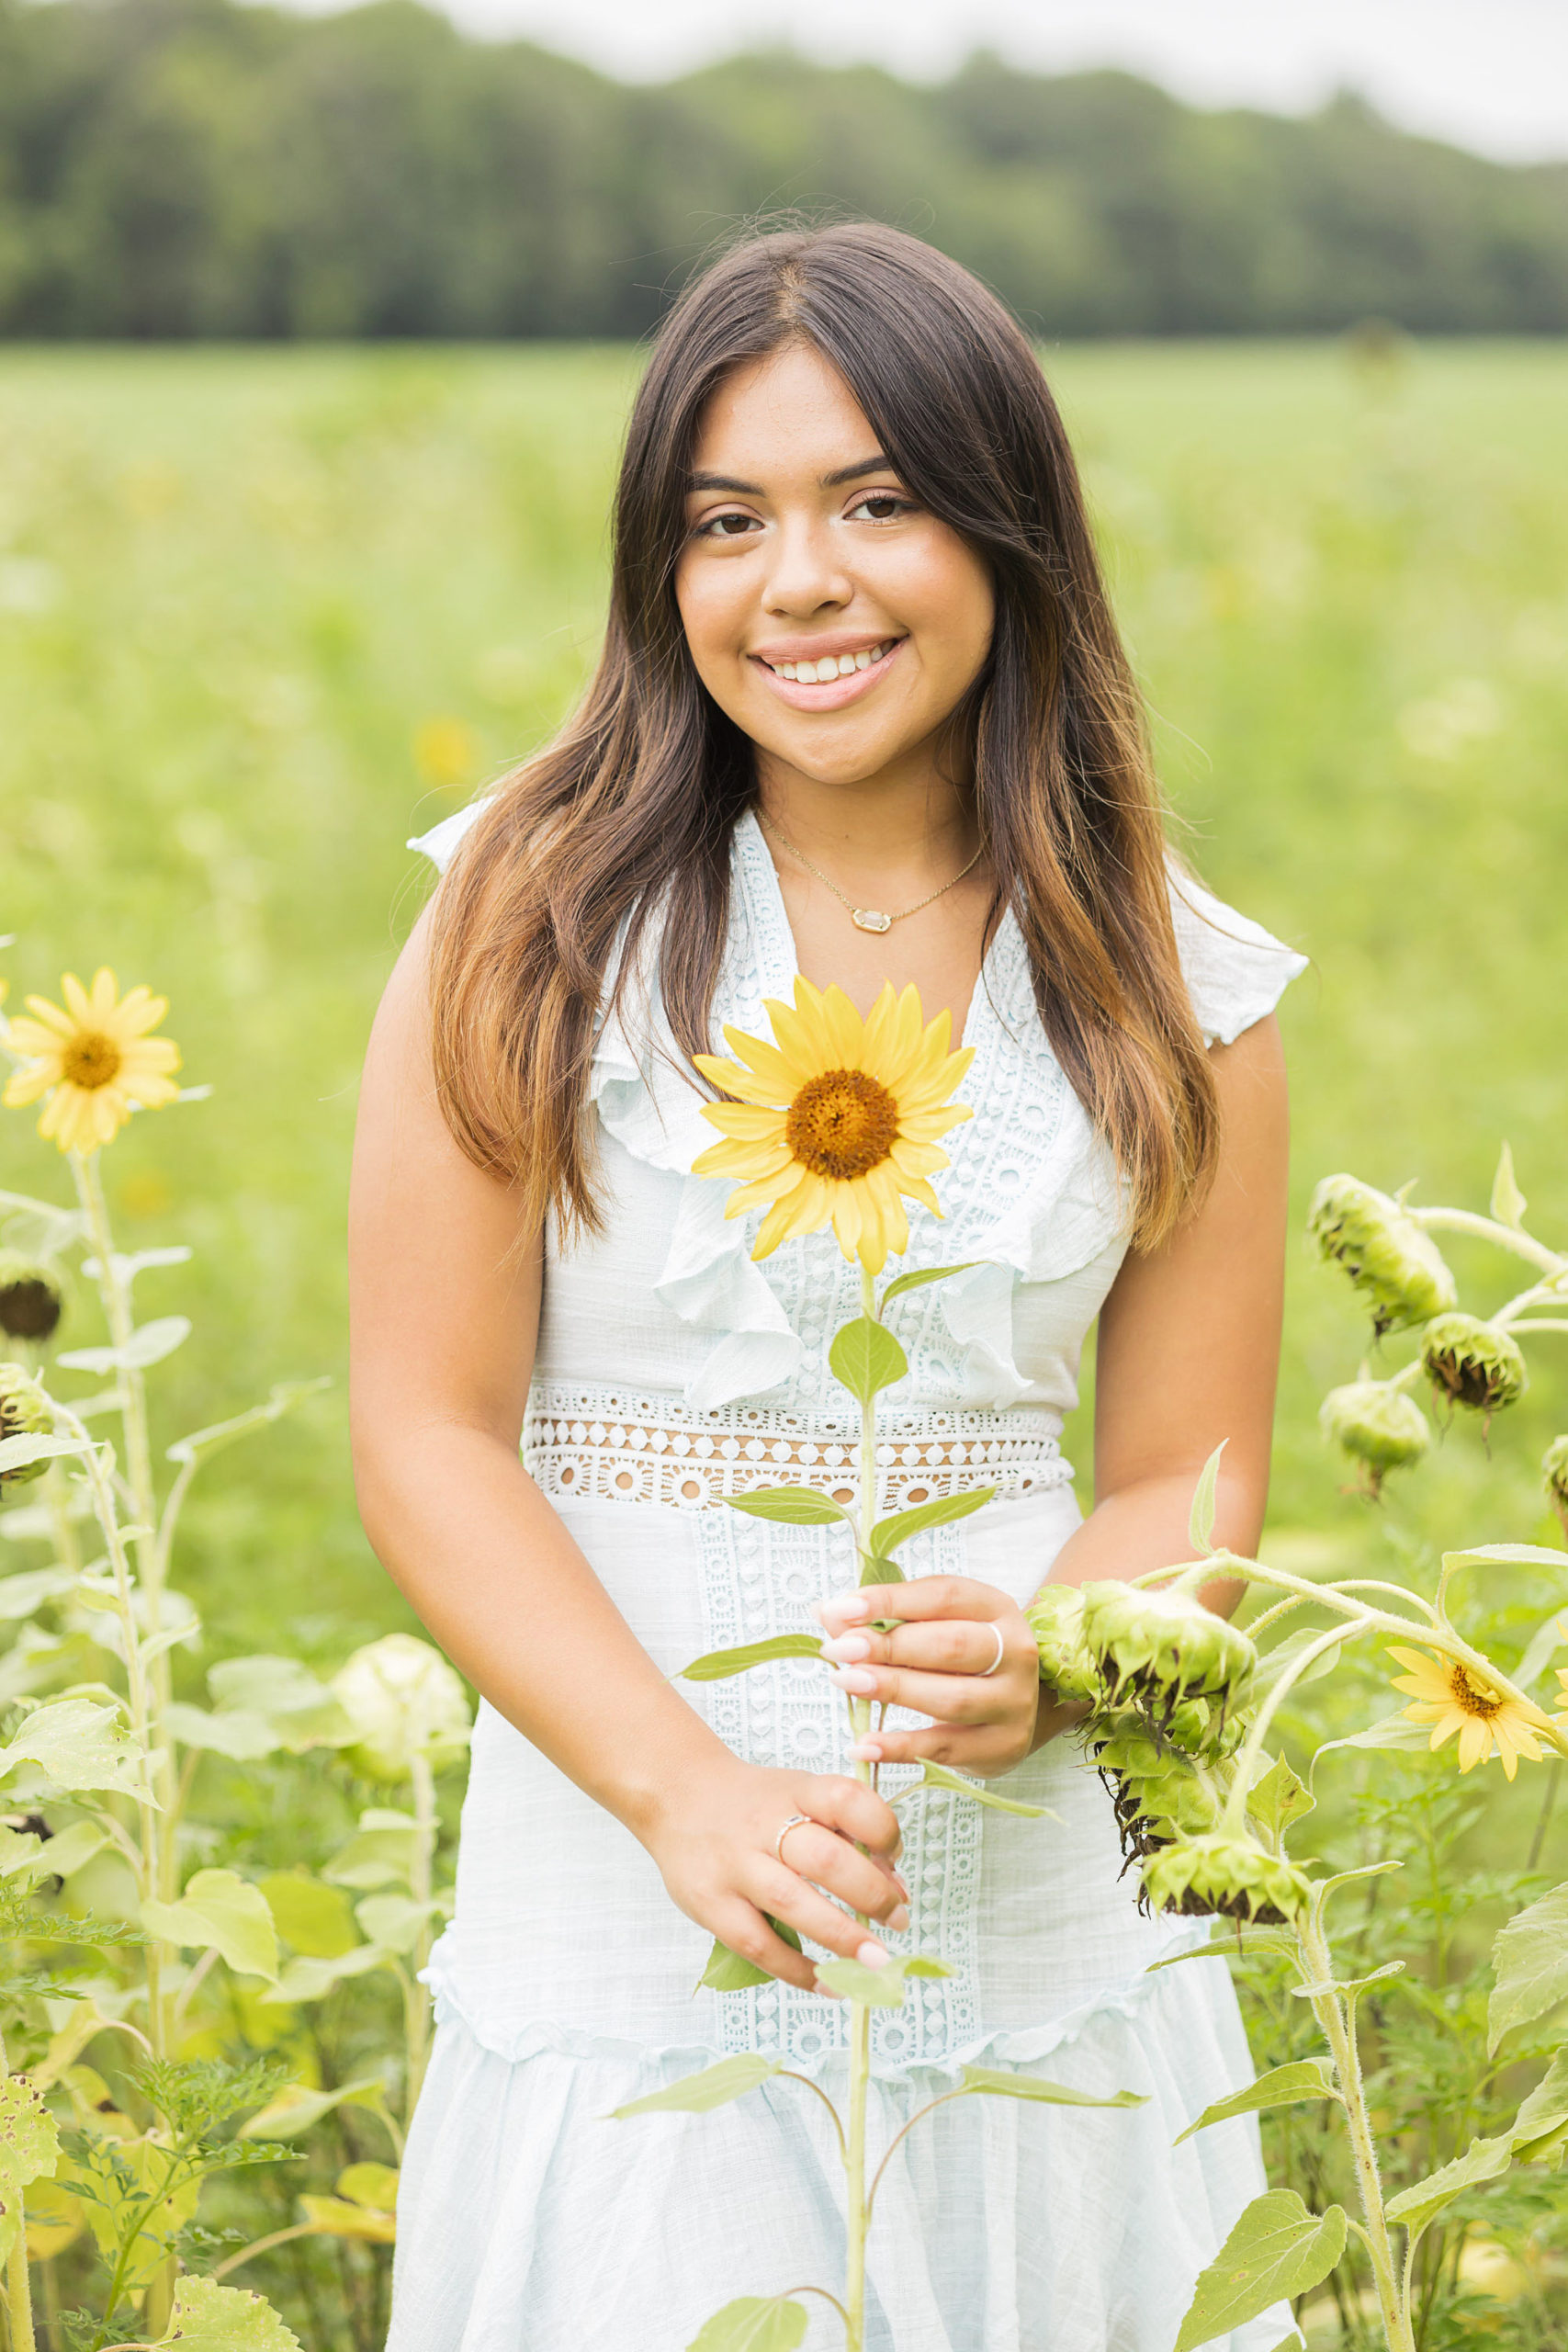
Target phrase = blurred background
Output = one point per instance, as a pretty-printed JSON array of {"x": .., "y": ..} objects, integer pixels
[{"x": 318, "y": 331}]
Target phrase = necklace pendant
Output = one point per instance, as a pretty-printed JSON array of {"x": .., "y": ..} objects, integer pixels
[{"x": 868, "y": 919}]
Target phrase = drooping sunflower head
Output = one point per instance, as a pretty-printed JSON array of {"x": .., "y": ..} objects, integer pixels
[
  {"x": 836, "y": 1121},
  {"x": 1451, "y": 1697},
  {"x": 94, "y": 1060}
]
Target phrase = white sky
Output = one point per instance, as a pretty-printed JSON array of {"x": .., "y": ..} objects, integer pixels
[{"x": 1488, "y": 73}]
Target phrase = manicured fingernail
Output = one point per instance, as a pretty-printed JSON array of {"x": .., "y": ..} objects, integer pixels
[
  {"x": 848, "y": 1647},
  {"x": 827, "y": 1991},
  {"x": 856, "y": 1679},
  {"x": 866, "y": 1751},
  {"x": 899, "y": 1921},
  {"x": 872, "y": 1955},
  {"x": 901, "y": 1883},
  {"x": 850, "y": 1605}
]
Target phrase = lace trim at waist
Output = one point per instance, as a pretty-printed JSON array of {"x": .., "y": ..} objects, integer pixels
[{"x": 624, "y": 1445}]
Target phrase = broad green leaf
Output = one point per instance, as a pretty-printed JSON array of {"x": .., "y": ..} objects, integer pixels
[
  {"x": 296, "y": 2107},
  {"x": 302, "y": 1709},
  {"x": 902, "y": 1282},
  {"x": 714, "y": 2086},
  {"x": 219, "y": 1908},
  {"x": 30, "y": 2142},
  {"x": 889, "y": 1533},
  {"x": 306, "y": 1980},
  {"x": 1389, "y": 1731},
  {"x": 1531, "y": 1957},
  {"x": 1277, "y": 2251},
  {"x": 208, "y": 2317},
  {"x": 1201, "y": 1520},
  {"x": 1278, "y": 1798},
  {"x": 1347, "y": 1986},
  {"x": 380, "y": 1853},
  {"x": 369, "y": 2184},
  {"x": 937, "y": 1776},
  {"x": 146, "y": 1346},
  {"x": 283, "y": 1399},
  {"x": 1539, "y": 2127},
  {"x": 1282, "y": 2087},
  {"x": 78, "y": 1744},
  {"x": 16, "y": 1452},
  {"x": 313, "y": 1917},
  {"x": 21, "y": 1596},
  {"x": 1242, "y": 1941},
  {"x": 1506, "y": 1555},
  {"x": 866, "y": 1358},
  {"x": 791, "y": 1506},
  {"x": 755, "y": 2323},
  {"x": 719, "y": 1665},
  {"x": 1483, "y": 2160},
  {"x": 242, "y": 1737},
  {"x": 341, "y": 2217},
  {"x": 1549, "y": 1639},
  {"x": 728, "y": 1972},
  {"x": 71, "y": 1849},
  {"x": 21, "y": 1855},
  {"x": 394, "y": 1921},
  {"x": 1509, "y": 1203},
  {"x": 1277, "y": 1661},
  {"x": 877, "y": 1571},
  {"x": 990, "y": 2082},
  {"x": 879, "y": 1988}
]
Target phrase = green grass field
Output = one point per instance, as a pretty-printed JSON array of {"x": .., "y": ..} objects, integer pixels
[{"x": 262, "y": 614}]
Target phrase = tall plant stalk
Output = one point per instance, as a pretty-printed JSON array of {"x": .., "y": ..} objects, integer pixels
[{"x": 857, "y": 2214}]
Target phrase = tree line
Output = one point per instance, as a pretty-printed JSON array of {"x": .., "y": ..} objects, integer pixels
[{"x": 176, "y": 168}]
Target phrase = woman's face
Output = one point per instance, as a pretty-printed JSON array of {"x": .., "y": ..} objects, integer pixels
[{"x": 834, "y": 620}]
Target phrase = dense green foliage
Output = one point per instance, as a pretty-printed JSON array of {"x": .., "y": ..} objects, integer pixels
[
  {"x": 200, "y": 167},
  {"x": 262, "y": 616}
]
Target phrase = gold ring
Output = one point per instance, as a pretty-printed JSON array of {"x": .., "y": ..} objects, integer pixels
[{"x": 793, "y": 1823}]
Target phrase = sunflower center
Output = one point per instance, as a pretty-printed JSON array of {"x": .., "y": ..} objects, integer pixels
[
  {"x": 842, "y": 1124},
  {"x": 1475, "y": 1697},
  {"x": 90, "y": 1060}
]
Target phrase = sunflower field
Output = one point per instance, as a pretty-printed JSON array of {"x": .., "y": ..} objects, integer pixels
[{"x": 263, "y": 614}]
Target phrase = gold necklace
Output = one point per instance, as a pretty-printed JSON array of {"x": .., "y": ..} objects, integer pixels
[{"x": 866, "y": 918}]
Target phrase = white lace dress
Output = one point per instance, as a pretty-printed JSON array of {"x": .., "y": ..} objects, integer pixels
[{"x": 670, "y": 1370}]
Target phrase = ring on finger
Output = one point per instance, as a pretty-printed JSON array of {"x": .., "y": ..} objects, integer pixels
[
  {"x": 794, "y": 1822},
  {"x": 1002, "y": 1646}
]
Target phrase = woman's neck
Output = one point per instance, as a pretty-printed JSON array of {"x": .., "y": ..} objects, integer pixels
[{"x": 913, "y": 827}]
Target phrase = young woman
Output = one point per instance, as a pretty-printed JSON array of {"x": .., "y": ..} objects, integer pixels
[{"x": 862, "y": 714}]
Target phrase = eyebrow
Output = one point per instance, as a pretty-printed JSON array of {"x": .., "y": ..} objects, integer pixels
[{"x": 878, "y": 464}]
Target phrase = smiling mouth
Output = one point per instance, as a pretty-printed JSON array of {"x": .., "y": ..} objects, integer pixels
[{"x": 831, "y": 666}]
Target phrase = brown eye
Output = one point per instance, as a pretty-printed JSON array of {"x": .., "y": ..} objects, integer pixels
[
  {"x": 725, "y": 526},
  {"x": 882, "y": 506}
]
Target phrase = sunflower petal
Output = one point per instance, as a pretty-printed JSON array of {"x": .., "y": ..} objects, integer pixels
[
  {"x": 50, "y": 1024},
  {"x": 750, "y": 1122}
]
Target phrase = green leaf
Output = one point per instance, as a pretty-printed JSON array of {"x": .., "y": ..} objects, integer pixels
[
  {"x": 988, "y": 2083},
  {"x": 1425, "y": 2200},
  {"x": 1201, "y": 1521},
  {"x": 242, "y": 1736},
  {"x": 21, "y": 1596},
  {"x": 1277, "y": 2251},
  {"x": 878, "y": 1988},
  {"x": 728, "y": 1972},
  {"x": 29, "y": 2140},
  {"x": 71, "y": 1849},
  {"x": 146, "y": 1347},
  {"x": 297, "y": 2107},
  {"x": 219, "y": 1908},
  {"x": 1540, "y": 2126},
  {"x": 755, "y": 2323},
  {"x": 866, "y": 1358},
  {"x": 1276, "y": 1662},
  {"x": 311, "y": 1916},
  {"x": 1347, "y": 1988},
  {"x": 876, "y": 1571},
  {"x": 1505, "y": 1555},
  {"x": 1389, "y": 1731},
  {"x": 302, "y": 1711},
  {"x": 1531, "y": 1957},
  {"x": 889, "y": 1533},
  {"x": 1282, "y": 2087},
  {"x": 305, "y": 1980},
  {"x": 1549, "y": 1639},
  {"x": 937, "y": 1776},
  {"x": 78, "y": 1744},
  {"x": 16, "y": 1452},
  {"x": 395, "y": 1921},
  {"x": 1251, "y": 1943},
  {"x": 719, "y": 1665},
  {"x": 381, "y": 1852},
  {"x": 285, "y": 1395},
  {"x": 1509, "y": 1203},
  {"x": 1278, "y": 1798},
  {"x": 902, "y": 1282},
  {"x": 714, "y": 2087},
  {"x": 206, "y": 2317},
  {"x": 791, "y": 1506}
]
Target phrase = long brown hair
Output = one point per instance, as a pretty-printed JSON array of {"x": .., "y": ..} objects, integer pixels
[{"x": 632, "y": 807}]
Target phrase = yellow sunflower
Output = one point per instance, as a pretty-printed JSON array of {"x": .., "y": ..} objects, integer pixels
[
  {"x": 92, "y": 1058},
  {"x": 1451, "y": 1697},
  {"x": 836, "y": 1119}
]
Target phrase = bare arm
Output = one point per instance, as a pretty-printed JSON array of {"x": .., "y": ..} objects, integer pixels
[
  {"x": 1187, "y": 1357},
  {"x": 445, "y": 1294}
]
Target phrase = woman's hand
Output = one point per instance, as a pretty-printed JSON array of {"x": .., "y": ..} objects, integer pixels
[
  {"x": 951, "y": 1630},
  {"x": 716, "y": 1846}
]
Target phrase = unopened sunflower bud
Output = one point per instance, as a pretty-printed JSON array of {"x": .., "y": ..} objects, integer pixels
[
  {"x": 1164, "y": 1643},
  {"x": 1473, "y": 1363},
  {"x": 404, "y": 1700},
  {"x": 1056, "y": 1619},
  {"x": 1554, "y": 1472},
  {"x": 25, "y": 1411},
  {"x": 1157, "y": 1798},
  {"x": 30, "y": 1297},
  {"x": 1388, "y": 1256},
  {"x": 1377, "y": 1425},
  {"x": 1202, "y": 1876}
]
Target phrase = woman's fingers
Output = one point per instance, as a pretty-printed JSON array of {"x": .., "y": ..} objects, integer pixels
[
  {"x": 855, "y": 1811},
  {"x": 744, "y": 1929},
  {"x": 918, "y": 1600},
  {"x": 981, "y": 1751},
  {"x": 864, "y": 1884},
  {"x": 946, "y": 1645},
  {"x": 788, "y": 1897}
]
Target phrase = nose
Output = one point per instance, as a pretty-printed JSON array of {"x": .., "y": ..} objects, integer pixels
[{"x": 806, "y": 575}]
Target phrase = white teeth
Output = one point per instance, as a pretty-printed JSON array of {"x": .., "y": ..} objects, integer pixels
[
  {"x": 825, "y": 669},
  {"x": 785, "y": 670},
  {"x": 841, "y": 665},
  {"x": 846, "y": 665},
  {"x": 862, "y": 660}
]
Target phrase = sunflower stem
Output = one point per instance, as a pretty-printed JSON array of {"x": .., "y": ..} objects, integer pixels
[{"x": 857, "y": 2210}]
